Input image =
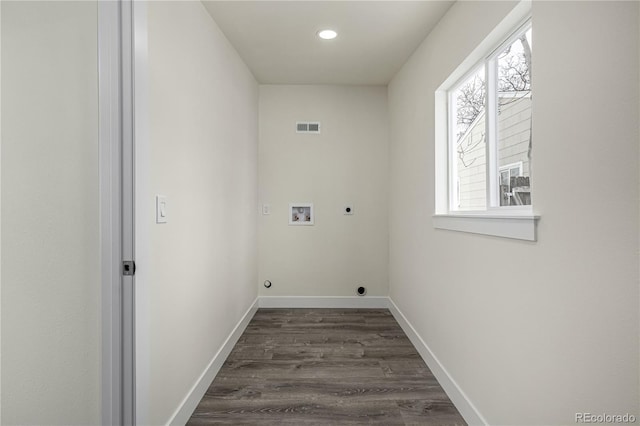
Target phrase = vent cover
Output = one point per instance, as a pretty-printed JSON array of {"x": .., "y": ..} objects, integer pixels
[{"x": 307, "y": 127}]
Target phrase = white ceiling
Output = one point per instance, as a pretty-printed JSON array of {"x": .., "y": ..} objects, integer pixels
[{"x": 278, "y": 41}]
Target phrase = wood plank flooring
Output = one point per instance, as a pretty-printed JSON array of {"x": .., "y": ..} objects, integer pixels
[{"x": 325, "y": 367}]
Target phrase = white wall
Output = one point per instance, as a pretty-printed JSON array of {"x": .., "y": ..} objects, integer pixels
[
  {"x": 203, "y": 141},
  {"x": 531, "y": 332},
  {"x": 346, "y": 163},
  {"x": 50, "y": 244}
]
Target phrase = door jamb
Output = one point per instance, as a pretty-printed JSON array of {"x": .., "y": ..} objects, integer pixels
[{"x": 115, "y": 88}]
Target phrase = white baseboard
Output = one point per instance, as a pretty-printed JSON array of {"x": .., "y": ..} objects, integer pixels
[
  {"x": 457, "y": 396},
  {"x": 466, "y": 408},
  {"x": 191, "y": 401},
  {"x": 371, "y": 302}
]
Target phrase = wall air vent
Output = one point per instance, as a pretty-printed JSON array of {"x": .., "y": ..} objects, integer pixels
[{"x": 307, "y": 127}]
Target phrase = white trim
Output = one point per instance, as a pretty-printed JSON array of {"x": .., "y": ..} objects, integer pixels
[
  {"x": 441, "y": 159},
  {"x": 522, "y": 28},
  {"x": 110, "y": 108},
  {"x": 445, "y": 193},
  {"x": 197, "y": 391},
  {"x": 128, "y": 236},
  {"x": 462, "y": 402},
  {"x": 451, "y": 146},
  {"x": 516, "y": 227},
  {"x": 514, "y": 20},
  {"x": 365, "y": 302},
  {"x": 0, "y": 209},
  {"x": 143, "y": 208},
  {"x": 491, "y": 131},
  {"x": 466, "y": 408}
]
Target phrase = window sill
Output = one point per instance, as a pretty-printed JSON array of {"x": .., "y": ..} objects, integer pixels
[{"x": 519, "y": 227}]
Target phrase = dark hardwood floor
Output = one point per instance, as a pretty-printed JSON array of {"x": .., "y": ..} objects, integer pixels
[{"x": 325, "y": 367}]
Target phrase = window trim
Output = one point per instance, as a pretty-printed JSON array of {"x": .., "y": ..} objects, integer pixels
[
  {"x": 518, "y": 222},
  {"x": 519, "y": 227}
]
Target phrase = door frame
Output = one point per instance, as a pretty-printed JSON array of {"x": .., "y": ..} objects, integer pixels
[
  {"x": 122, "y": 81},
  {"x": 110, "y": 152}
]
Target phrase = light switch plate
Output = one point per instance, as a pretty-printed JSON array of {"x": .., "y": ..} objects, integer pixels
[
  {"x": 266, "y": 209},
  {"x": 161, "y": 209}
]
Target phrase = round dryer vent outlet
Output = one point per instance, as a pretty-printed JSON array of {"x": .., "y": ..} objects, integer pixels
[{"x": 361, "y": 291}]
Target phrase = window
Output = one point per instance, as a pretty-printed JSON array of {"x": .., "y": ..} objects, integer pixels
[
  {"x": 490, "y": 127},
  {"x": 467, "y": 142},
  {"x": 483, "y": 136}
]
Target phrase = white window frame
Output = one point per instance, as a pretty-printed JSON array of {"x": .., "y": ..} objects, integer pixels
[{"x": 518, "y": 222}]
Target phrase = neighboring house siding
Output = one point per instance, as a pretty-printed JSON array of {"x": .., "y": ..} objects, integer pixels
[
  {"x": 472, "y": 173},
  {"x": 514, "y": 126}
]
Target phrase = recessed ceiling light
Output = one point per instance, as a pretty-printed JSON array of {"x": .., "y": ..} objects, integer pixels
[{"x": 327, "y": 34}]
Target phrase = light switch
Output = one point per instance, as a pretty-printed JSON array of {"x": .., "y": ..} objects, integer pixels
[
  {"x": 161, "y": 209},
  {"x": 266, "y": 209}
]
